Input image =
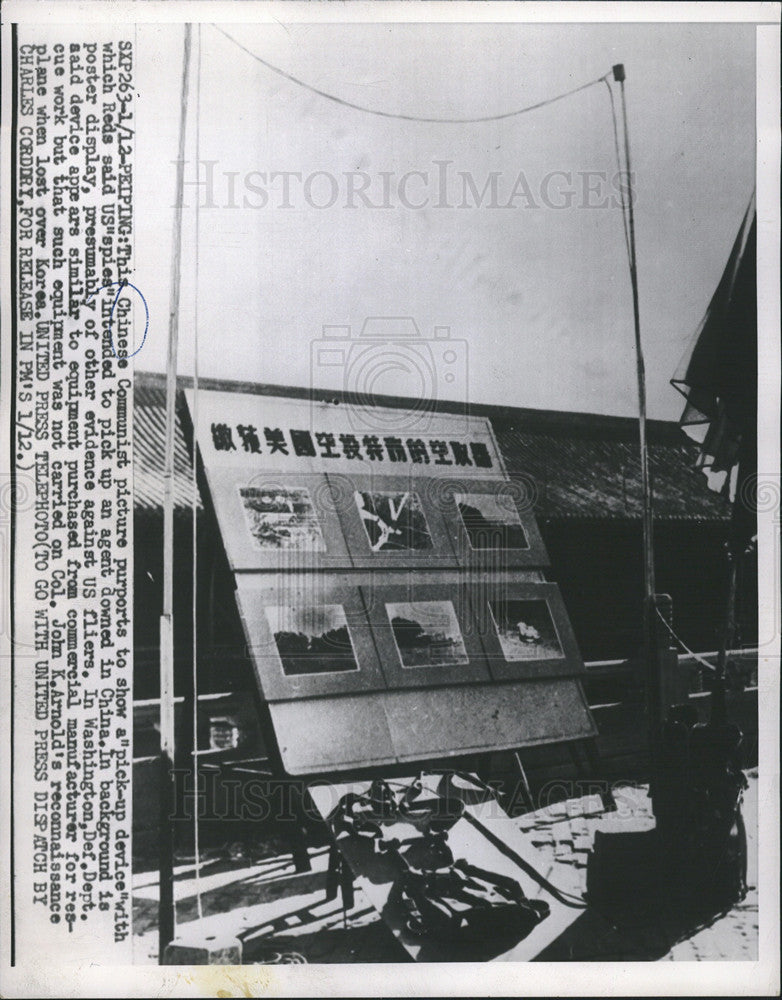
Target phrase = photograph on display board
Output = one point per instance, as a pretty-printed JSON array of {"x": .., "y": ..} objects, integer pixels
[
  {"x": 525, "y": 629},
  {"x": 307, "y": 635},
  {"x": 394, "y": 521},
  {"x": 427, "y": 634},
  {"x": 312, "y": 640},
  {"x": 278, "y": 521},
  {"x": 491, "y": 521},
  {"x": 281, "y": 517},
  {"x": 424, "y": 632}
]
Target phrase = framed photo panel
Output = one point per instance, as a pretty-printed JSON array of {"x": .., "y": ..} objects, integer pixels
[
  {"x": 307, "y": 635},
  {"x": 282, "y": 521},
  {"x": 525, "y": 630},
  {"x": 388, "y": 521},
  {"x": 425, "y": 634},
  {"x": 490, "y": 523}
]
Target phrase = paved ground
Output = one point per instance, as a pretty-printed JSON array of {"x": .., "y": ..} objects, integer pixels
[{"x": 282, "y": 917}]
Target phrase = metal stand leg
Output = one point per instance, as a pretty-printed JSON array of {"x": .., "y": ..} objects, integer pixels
[
  {"x": 526, "y": 791},
  {"x": 339, "y": 878},
  {"x": 589, "y": 767},
  {"x": 301, "y": 858},
  {"x": 333, "y": 873}
]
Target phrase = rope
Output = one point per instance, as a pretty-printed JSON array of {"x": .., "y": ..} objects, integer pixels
[
  {"x": 685, "y": 647},
  {"x": 196, "y": 837},
  {"x": 401, "y": 117}
]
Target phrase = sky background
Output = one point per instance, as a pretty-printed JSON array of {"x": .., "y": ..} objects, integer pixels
[{"x": 537, "y": 299}]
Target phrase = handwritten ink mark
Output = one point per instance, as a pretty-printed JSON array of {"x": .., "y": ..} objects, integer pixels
[{"x": 122, "y": 286}]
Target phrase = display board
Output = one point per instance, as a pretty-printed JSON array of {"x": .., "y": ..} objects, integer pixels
[{"x": 379, "y": 574}]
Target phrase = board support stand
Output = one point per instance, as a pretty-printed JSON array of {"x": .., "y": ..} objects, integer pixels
[
  {"x": 340, "y": 879},
  {"x": 526, "y": 790},
  {"x": 586, "y": 758},
  {"x": 301, "y": 858}
]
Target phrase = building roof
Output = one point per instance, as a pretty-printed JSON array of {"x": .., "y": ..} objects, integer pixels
[
  {"x": 149, "y": 434},
  {"x": 574, "y": 465}
]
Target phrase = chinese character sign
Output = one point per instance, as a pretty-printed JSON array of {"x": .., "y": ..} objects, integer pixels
[{"x": 265, "y": 433}]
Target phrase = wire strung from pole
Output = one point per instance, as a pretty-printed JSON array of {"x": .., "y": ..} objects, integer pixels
[
  {"x": 700, "y": 659},
  {"x": 194, "y": 499},
  {"x": 402, "y": 117}
]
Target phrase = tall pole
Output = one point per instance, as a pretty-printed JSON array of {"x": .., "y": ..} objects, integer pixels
[
  {"x": 652, "y": 666},
  {"x": 737, "y": 548},
  {"x": 167, "y": 790}
]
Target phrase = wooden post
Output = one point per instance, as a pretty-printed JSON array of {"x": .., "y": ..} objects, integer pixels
[
  {"x": 166, "y": 921},
  {"x": 718, "y": 706},
  {"x": 653, "y": 685}
]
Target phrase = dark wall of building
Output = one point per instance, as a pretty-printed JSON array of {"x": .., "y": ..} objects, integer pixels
[
  {"x": 223, "y": 665},
  {"x": 599, "y": 567}
]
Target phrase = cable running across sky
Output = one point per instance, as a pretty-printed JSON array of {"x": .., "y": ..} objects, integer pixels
[{"x": 409, "y": 118}]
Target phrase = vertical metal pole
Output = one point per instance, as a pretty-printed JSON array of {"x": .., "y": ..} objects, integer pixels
[
  {"x": 718, "y": 706},
  {"x": 167, "y": 800},
  {"x": 653, "y": 683},
  {"x": 737, "y": 550}
]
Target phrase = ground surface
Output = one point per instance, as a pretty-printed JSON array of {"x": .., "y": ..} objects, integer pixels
[{"x": 283, "y": 917}]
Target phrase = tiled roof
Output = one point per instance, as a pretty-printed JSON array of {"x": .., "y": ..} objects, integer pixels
[
  {"x": 149, "y": 433},
  {"x": 576, "y": 465},
  {"x": 592, "y": 476}
]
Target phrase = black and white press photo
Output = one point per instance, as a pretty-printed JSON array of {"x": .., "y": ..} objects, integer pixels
[{"x": 390, "y": 500}]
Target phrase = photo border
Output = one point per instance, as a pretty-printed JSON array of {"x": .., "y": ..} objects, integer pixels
[
  {"x": 570, "y": 664},
  {"x": 441, "y": 555},
  {"x": 452, "y": 590},
  {"x": 273, "y": 682}
]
